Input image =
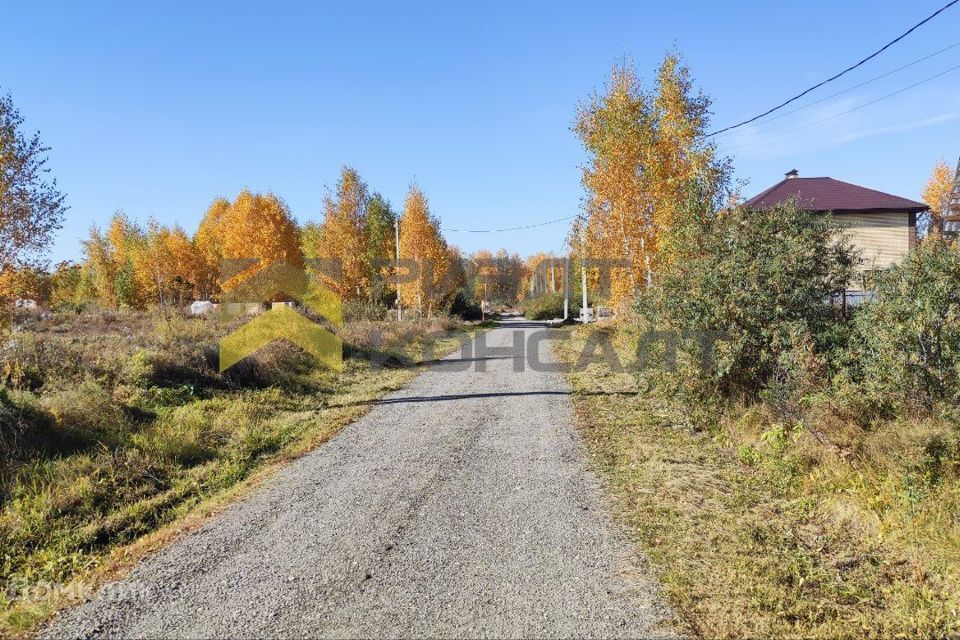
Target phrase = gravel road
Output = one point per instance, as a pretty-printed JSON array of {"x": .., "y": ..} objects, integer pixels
[{"x": 460, "y": 506}]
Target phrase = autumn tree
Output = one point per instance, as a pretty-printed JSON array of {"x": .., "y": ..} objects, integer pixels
[
  {"x": 482, "y": 271},
  {"x": 127, "y": 241},
  {"x": 129, "y": 266},
  {"x": 208, "y": 242},
  {"x": 421, "y": 242},
  {"x": 168, "y": 265},
  {"x": 644, "y": 147},
  {"x": 109, "y": 270},
  {"x": 26, "y": 282},
  {"x": 680, "y": 152},
  {"x": 257, "y": 229},
  {"x": 455, "y": 277},
  {"x": 31, "y": 207},
  {"x": 510, "y": 276},
  {"x": 936, "y": 194},
  {"x": 99, "y": 271},
  {"x": 339, "y": 242},
  {"x": 616, "y": 130},
  {"x": 67, "y": 287},
  {"x": 545, "y": 272},
  {"x": 261, "y": 227}
]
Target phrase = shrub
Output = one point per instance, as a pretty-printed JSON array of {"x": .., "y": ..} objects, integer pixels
[
  {"x": 354, "y": 310},
  {"x": 906, "y": 347},
  {"x": 464, "y": 308},
  {"x": 89, "y": 411},
  {"x": 546, "y": 307},
  {"x": 763, "y": 277}
]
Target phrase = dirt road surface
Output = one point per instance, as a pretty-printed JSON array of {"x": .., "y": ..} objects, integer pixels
[{"x": 460, "y": 506}]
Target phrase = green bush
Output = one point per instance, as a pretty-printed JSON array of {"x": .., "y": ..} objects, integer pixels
[
  {"x": 763, "y": 277},
  {"x": 354, "y": 310},
  {"x": 464, "y": 308},
  {"x": 906, "y": 346},
  {"x": 546, "y": 307}
]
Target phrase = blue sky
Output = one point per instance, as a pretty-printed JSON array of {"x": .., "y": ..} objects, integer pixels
[{"x": 157, "y": 108}]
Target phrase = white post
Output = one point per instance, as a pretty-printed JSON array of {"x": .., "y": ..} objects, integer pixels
[
  {"x": 396, "y": 231},
  {"x": 583, "y": 284}
]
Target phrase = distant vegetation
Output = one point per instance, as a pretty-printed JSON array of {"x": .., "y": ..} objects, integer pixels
[
  {"x": 548, "y": 306},
  {"x": 352, "y": 251}
]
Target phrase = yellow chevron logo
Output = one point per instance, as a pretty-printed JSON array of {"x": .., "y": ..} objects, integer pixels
[{"x": 282, "y": 322}]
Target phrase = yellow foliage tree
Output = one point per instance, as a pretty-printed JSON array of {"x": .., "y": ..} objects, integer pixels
[
  {"x": 209, "y": 247},
  {"x": 26, "y": 282},
  {"x": 545, "y": 272},
  {"x": 259, "y": 228},
  {"x": 935, "y": 194},
  {"x": 421, "y": 242},
  {"x": 644, "y": 148},
  {"x": 168, "y": 265},
  {"x": 111, "y": 262},
  {"x": 679, "y": 153},
  {"x": 482, "y": 269},
  {"x": 340, "y": 241},
  {"x": 616, "y": 131}
]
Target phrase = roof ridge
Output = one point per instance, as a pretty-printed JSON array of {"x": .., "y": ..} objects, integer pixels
[
  {"x": 883, "y": 193},
  {"x": 831, "y": 194}
]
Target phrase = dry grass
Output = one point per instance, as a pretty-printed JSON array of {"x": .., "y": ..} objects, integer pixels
[
  {"x": 756, "y": 529},
  {"x": 126, "y": 430}
]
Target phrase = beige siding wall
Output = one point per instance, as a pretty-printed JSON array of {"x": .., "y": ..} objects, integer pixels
[{"x": 882, "y": 239}]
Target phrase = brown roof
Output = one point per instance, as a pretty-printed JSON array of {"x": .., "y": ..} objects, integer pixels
[{"x": 827, "y": 194}]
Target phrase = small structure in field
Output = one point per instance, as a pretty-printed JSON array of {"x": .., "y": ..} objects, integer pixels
[
  {"x": 202, "y": 307},
  {"x": 25, "y": 303}
]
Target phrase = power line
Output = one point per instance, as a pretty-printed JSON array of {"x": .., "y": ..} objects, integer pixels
[
  {"x": 843, "y": 113},
  {"x": 862, "y": 84},
  {"x": 528, "y": 226},
  {"x": 844, "y": 72}
]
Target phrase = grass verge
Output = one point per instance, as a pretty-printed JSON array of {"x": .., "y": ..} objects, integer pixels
[{"x": 755, "y": 529}]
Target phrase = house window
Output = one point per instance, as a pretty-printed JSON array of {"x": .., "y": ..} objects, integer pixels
[{"x": 951, "y": 228}]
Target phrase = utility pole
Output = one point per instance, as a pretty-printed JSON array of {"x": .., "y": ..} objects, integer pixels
[
  {"x": 585, "y": 311},
  {"x": 566, "y": 287},
  {"x": 396, "y": 231},
  {"x": 553, "y": 276}
]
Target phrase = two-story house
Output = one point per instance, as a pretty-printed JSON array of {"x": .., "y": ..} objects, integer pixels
[{"x": 882, "y": 227}]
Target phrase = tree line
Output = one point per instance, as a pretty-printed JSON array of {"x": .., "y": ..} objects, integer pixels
[{"x": 352, "y": 251}]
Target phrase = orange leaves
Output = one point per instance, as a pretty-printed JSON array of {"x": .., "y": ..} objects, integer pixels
[
  {"x": 209, "y": 246},
  {"x": 341, "y": 238},
  {"x": 259, "y": 226},
  {"x": 256, "y": 227},
  {"x": 935, "y": 193},
  {"x": 421, "y": 242},
  {"x": 132, "y": 266},
  {"x": 128, "y": 265},
  {"x": 644, "y": 148}
]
